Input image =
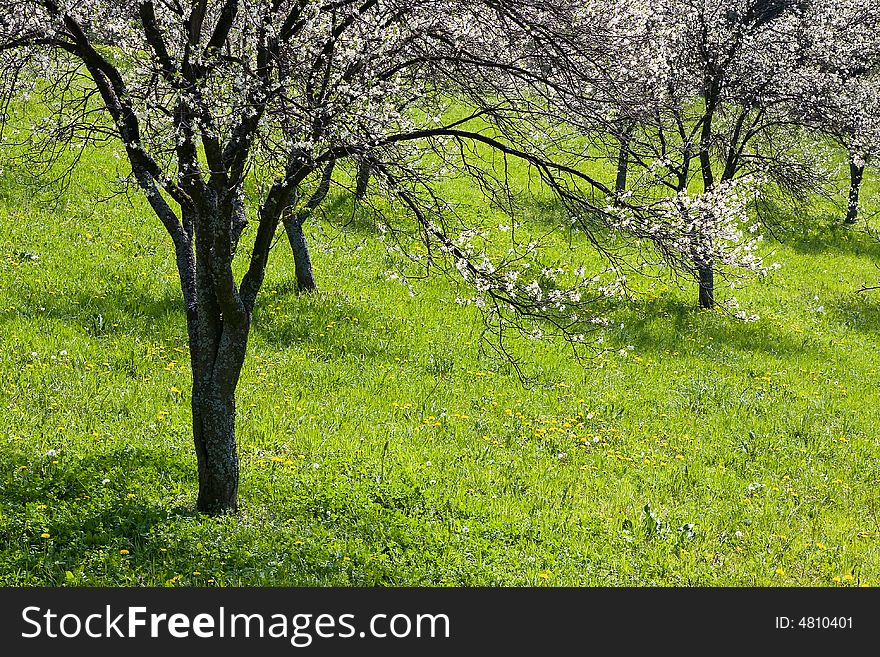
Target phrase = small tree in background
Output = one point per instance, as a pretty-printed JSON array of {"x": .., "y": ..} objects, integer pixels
[
  {"x": 693, "y": 95},
  {"x": 838, "y": 90}
]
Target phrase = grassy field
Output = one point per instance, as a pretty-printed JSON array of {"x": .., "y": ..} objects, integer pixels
[{"x": 381, "y": 445}]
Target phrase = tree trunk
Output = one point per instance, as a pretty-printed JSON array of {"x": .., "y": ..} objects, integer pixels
[
  {"x": 706, "y": 276},
  {"x": 305, "y": 275},
  {"x": 705, "y": 270},
  {"x": 216, "y": 454},
  {"x": 221, "y": 351},
  {"x": 218, "y": 344},
  {"x": 622, "y": 169},
  {"x": 856, "y": 173},
  {"x": 623, "y": 159},
  {"x": 363, "y": 180},
  {"x": 293, "y": 226}
]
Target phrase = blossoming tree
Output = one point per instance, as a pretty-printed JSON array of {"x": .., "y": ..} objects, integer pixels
[
  {"x": 697, "y": 97},
  {"x": 838, "y": 89},
  {"x": 204, "y": 96}
]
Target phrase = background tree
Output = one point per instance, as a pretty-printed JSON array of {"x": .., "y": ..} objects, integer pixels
[
  {"x": 691, "y": 95},
  {"x": 837, "y": 85}
]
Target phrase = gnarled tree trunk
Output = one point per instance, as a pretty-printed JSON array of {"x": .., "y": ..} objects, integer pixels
[
  {"x": 219, "y": 325},
  {"x": 213, "y": 414}
]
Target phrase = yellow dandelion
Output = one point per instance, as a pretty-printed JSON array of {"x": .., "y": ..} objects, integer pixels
[
  {"x": 821, "y": 546},
  {"x": 780, "y": 571},
  {"x": 835, "y": 579},
  {"x": 196, "y": 573},
  {"x": 848, "y": 578},
  {"x": 545, "y": 574},
  {"x": 123, "y": 552},
  {"x": 45, "y": 535}
]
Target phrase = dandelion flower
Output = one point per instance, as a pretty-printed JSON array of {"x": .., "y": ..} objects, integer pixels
[{"x": 45, "y": 535}]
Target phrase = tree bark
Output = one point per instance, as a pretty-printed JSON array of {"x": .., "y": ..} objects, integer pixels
[
  {"x": 623, "y": 159},
  {"x": 622, "y": 169},
  {"x": 293, "y": 226},
  {"x": 215, "y": 379},
  {"x": 705, "y": 269},
  {"x": 705, "y": 153},
  {"x": 363, "y": 180},
  {"x": 214, "y": 434},
  {"x": 856, "y": 173},
  {"x": 706, "y": 275},
  {"x": 222, "y": 326},
  {"x": 302, "y": 260}
]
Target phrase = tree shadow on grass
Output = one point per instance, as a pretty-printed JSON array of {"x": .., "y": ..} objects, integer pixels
[
  {"x": 103, "y": 536},
  {"x": 155, "y": 318},
  {"x": 859, "y": 312},
  {"x": 331, "y": 324},
  {"x": 58, "y": 513},
  {"x": 346, "y": 214},
  {"x": 666, "y": 325},
  {"x": 809, "y": 230}
]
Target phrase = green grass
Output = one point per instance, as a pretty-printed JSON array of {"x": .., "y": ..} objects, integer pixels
[{"x": 381, "y": 445}]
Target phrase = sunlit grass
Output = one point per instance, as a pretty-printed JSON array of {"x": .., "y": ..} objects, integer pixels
[{"x": 383, "y": 443}]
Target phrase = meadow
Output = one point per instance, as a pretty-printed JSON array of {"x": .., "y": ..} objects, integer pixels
[{"x": 383, "y": 443}]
